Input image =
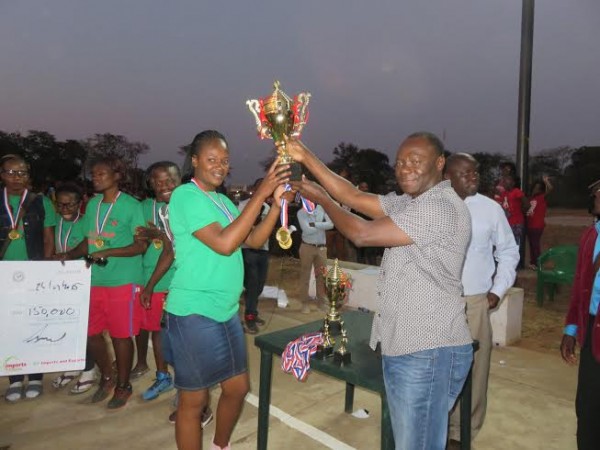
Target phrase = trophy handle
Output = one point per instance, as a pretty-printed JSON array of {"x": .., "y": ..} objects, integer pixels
[
  {"x": 254, "y": 107},
  {"x": 300, "y": 113}
]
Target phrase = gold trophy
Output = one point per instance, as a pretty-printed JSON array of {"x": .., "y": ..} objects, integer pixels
[
  {"x": 278, "y": 117},
  {"x": 326, "y": 348},
  {"x": 336, "y": 292},
  {"x": 342, "y": 355}
]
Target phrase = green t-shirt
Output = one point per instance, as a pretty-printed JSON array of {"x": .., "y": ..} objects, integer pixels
[
  {"x": 205, "y": 282},
  {"x": 17, "y": 249},
  {"x": 151, "y": 208},
  {"x": 71, "y": 232},
  {"x": 118, "y": 232}
]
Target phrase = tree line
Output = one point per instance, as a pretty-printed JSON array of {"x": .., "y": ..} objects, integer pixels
[{"x": 52, "y": 161}]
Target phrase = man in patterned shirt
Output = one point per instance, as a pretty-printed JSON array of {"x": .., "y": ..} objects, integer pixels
[{"x": 421, "y": 325}]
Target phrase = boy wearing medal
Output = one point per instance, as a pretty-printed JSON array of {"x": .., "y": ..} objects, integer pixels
[
  {"x": 163, "y": 178},
  {"x": 69, "y": 233},
  {"x": 116, "y": 262},
  {"x": 26, "y": 234}
]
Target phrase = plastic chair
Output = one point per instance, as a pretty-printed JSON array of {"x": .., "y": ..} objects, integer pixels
[{"x": 555, "y": 266}]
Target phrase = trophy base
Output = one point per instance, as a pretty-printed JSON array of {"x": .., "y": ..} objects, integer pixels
[
  {"x": 323, "y": 352},
  {"x": 342, "y": 359},
  {"x": 296, "y": 169}
]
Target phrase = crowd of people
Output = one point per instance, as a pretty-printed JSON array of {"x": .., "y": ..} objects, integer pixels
[{"x": 451, "y": 255}]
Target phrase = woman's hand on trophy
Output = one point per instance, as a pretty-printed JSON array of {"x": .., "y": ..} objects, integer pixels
[
  {"x": 296, "y": 149},
  {"x": 310, "y": 190},
  {"x": 277, "y": 175}
]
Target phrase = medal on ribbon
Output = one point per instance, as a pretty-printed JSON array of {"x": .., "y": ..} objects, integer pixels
[
  {"x": 220, "y": 205},
  {"x": 283, "y": 235},
  {"x": 157, "y": 243},
  {"x": 62, "y": 244},
  {"x": 99, "y": 242},
  {"x": 13, "y": 234}
]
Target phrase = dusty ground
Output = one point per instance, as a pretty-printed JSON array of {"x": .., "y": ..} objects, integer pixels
[{"x": 542, "y": 327}]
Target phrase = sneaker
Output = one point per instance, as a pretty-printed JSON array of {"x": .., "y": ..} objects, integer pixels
[
  {"x": 14, "y": 393},
  {"x": 34, "y": 389},
  {"x": 163, "y": 383},
  {"x": 259, "y": 321},
  {"x": 120, "y": 397},
  {"x": 251, "y": 327},
  {"x": 205, "y": 419},
  {"x": 105, "y": 388}
]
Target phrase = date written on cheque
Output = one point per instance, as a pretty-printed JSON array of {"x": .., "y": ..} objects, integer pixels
[{"x": 45, "y": 286}]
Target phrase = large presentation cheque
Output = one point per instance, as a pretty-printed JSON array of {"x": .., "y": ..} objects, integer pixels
[{"x": 43, "y": 316}]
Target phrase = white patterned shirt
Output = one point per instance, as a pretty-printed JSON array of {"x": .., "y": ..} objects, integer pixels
[{"x": 419, "y": 288}]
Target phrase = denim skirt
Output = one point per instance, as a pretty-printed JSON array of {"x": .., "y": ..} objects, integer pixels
[{"x": 202, "y": 351}]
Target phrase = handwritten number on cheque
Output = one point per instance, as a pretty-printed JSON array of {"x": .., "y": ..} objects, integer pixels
[{"x": 43, "y": 311}]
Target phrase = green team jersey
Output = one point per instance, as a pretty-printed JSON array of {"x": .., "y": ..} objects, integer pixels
[
  {"x": 120, "y": 223},
  {"x": 17, "y": 249},
  {"x": 204, "y": 282},
  {"x": 150, "y": 208}
]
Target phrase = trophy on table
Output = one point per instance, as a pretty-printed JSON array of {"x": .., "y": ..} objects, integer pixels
[
  {"x": 336, "y": 285},
  {"x": 279, "y": 117}
]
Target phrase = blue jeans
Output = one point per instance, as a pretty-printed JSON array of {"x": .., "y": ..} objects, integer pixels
[
  {"x": 421, "y": 390},
  {"x": 256, "y": 265}
]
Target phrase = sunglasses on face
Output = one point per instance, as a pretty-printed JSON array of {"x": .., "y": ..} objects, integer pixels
[
  {"x": 98, "y": 261},
  {"x": 16, "y": 173}
]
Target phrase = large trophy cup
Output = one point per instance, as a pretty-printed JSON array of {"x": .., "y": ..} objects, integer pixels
[
  {"x": 336, "y": 284},
  {"x": 277, "y": 117}
]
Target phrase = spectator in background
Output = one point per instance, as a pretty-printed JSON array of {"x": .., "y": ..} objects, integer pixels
[
  {"x": 536, "y": 216},
  {"x": 582, "y": 325},
  {"x": 256, "y": 266},
  {"x": 27, "y": 223},
  {"x": 313, "y": 253},
  {"x": 515, "y": 204},
  {"x": 488, "y": 272}
]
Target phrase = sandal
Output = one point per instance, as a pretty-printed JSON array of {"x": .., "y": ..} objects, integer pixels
[
  {"x": 64, "y": 379},
  {"x": 34, "y": 390},
  {"x": 14, "y": 392},
  {"x": 86, "y": 381}
]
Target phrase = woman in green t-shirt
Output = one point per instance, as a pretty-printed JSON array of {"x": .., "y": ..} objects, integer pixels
[{"x": 204, "y": 336}]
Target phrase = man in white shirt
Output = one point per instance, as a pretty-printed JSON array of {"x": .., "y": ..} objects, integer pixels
[
  {"x": 488, "y": 272},
  {"x": 313, "y": 252}
]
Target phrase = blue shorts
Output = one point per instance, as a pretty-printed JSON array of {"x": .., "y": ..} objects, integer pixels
[{"x": 202, "y": 351}]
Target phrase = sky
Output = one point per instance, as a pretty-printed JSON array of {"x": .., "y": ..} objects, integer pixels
[{"x": 161, "y": 71}]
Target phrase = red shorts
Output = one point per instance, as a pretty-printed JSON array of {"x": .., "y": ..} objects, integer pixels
[
  {"x": 116, "y": 309},
  {"x": 151, "y": 317}
]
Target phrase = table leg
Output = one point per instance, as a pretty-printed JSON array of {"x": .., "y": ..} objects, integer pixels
[
  {"x": 264, "y": 398},
  {"x": 349, "y": 403},
  {"x": 387, "y": 436},
  {"x": 465, "y": 414}
]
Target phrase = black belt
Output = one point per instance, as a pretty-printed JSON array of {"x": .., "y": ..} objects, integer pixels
[{"x": 315, "y": 245}]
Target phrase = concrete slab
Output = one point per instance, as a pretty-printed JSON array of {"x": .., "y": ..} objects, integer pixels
[{"x": 531, "y": 406}]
